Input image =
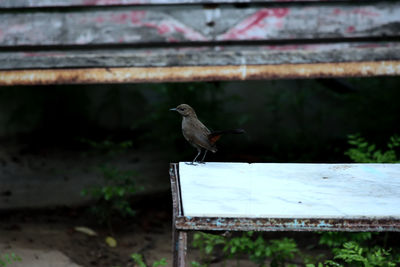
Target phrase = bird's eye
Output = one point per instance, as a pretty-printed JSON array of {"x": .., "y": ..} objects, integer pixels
[{"x": 181, "y": 109}]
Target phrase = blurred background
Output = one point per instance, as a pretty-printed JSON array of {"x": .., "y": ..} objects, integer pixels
[
  {"x": 98, "y": 155},
  {"x": 84, "y": 168}
]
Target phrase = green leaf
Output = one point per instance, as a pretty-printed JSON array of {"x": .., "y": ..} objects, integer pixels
[
  {"x": 209, "y": 249},
  {"x": 162, "y": 262},
  {"x": 138, "y": 259}
]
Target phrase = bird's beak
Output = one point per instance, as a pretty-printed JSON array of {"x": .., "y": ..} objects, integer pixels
[{"x": 173, "y": 109}]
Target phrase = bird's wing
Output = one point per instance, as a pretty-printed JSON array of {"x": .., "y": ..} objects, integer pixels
[{"x": 197, "y": 133}]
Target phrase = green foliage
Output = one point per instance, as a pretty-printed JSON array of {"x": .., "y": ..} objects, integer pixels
[
  {"x": 364, "y": 152},
  {"x": 353, "y": 255},
  {"x": 337, "y": 239},
  {"x": 197, "y": 264},
  {"x": 281, "y": 250},
  {"x": 118, "y": 185},
  {"x": 113, "y": 197},
  {"x": 256, "y": 248},
  {"x": 7, "y": 259},
  {"x": 138, "y": 260}
]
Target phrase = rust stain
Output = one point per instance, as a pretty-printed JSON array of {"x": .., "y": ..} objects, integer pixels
[
  {"x": 197, "y": 73},
  {"x": 285, "y": 224}
]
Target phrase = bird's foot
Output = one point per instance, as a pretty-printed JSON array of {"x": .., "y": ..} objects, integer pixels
[
  {"x": 191, "y": 163},
  {"x": 201, "y": 162}
]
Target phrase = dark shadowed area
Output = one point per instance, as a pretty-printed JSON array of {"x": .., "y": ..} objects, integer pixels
[{"x": 98, "y": 155}]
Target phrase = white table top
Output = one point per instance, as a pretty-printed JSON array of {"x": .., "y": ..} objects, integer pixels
[{"x": 273, "y": 190}]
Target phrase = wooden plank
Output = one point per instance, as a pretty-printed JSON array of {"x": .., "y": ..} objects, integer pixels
[
  {"x": 202, "y": 56},
  {"x": 314, "y": 191},
  {"x": 67, "y": 3},
  {"x": 195, "y": 24}
]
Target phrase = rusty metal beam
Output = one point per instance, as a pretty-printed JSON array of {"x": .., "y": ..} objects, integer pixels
[
  {"x": 286, "y": 224},
  {"x": 197, "y": 73}
]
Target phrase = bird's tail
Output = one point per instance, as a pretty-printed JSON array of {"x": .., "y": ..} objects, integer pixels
[{"x": 214, "y": 136}]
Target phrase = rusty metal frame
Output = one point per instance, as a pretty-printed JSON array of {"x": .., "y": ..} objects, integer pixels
[
  {"x": 182, "y": 224},
  {"x": 287, "y": 224},
  {"x": 197, "y": 73},
  {"x": 179, "y": 237}
]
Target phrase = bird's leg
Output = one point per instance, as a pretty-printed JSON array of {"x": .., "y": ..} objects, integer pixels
[
  {"x": 204, "y": 156},
  {"x": 194, "y": 160}
]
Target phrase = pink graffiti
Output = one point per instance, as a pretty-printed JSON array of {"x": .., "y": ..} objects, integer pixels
[
  {"x": 111, "y": 2},
  {"x": 172, "y": 40},
  {"x": 119, "y": 18},
  {"x": 99, "y": 19},
  {"x": 337, "y": 11},
  {"x": 137, "y": 16},
  {"x": 158, "y": 27},
  {"x": 170, "y": 28},
  {"x": 357, "y": 11},
  {"x": 255, "y": 26},
  {"x": 350, "y": 29},
  {"x": 188, "y": 33},
  {"x": 365, "y": 12}
]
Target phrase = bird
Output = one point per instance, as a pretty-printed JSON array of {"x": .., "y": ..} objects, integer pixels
[{"x": 197, "y": 134}]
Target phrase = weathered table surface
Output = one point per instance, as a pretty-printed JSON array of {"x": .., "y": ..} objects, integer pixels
[
  {"x": 272, "y": 196},
  {"x": 282, "y": 197},
  {"x": 291, "y": 190}
]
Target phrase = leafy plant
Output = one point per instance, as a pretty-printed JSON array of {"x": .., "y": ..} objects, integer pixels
[
  {"x": 206, "y": 243},
  {"x": 352, "y": 254},
  {"x": 197, "y": 264},
  {"x": 337, "y": 239},
  {"x": 113, "y": 197},
  {"x": 364, "y": 152},
  {"x": 7, "y": 259},
  {"x": 257, "y": 249},
  {"x": 138, "y": 259},
  {"x": 118, "y": 185}
]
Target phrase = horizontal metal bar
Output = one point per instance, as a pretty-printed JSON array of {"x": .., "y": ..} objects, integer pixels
[
  {"x": 286, "y": 224},
  {"x": 197, "y": 73}
]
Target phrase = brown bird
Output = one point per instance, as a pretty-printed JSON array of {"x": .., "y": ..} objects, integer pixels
[{"x": 197, "y": 134}]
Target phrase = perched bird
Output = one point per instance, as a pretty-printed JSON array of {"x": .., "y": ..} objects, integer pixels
[{"x": 197, "y": 134}]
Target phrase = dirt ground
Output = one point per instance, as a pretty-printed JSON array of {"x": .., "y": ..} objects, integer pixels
[
  {"x": 47, "y": 238},
  {"x": 148, "y": 233}
]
